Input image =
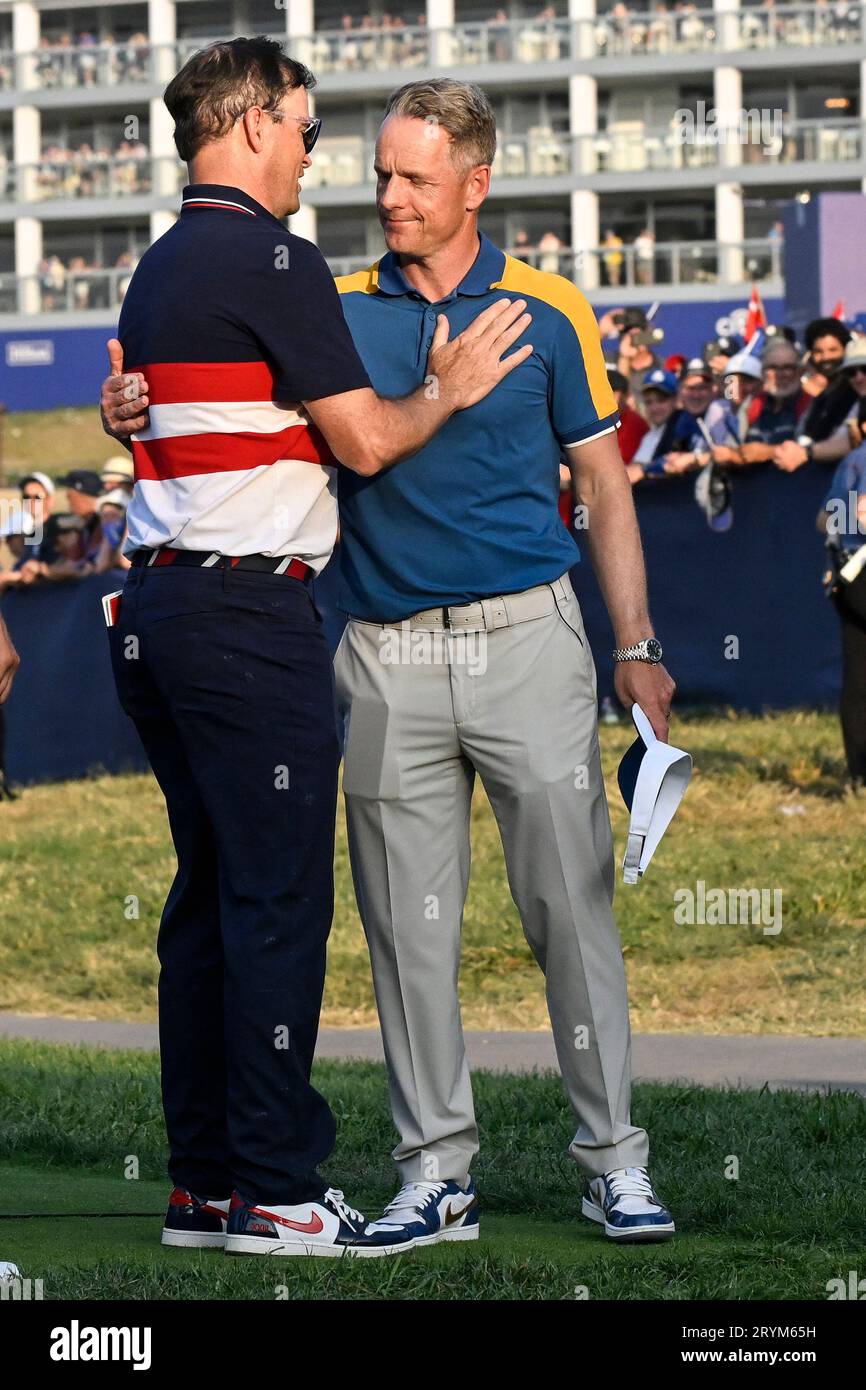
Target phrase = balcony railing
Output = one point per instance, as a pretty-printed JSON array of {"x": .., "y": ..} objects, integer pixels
[
  {"x": 371, "y": 50},
  {"x": 525, "y": 42},
  {"x": 347, "y": 162},
  {"x": 751, "y": 141},
  {"x": 666, "y": 265},
  {"x": 678, "y": 263},
  {"x": 379, "y": 50},
  {"x": 669, "y": 263},
  {"x": 81, "y": 178},
  {"x": 58, "y": 290},
  {"x": 698, "y": 31},
  {"x": 822, "y": 142},
  {"x": 67, "y": 68}
]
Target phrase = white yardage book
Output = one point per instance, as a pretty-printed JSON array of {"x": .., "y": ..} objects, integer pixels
[{"x": 652, "y": 777}]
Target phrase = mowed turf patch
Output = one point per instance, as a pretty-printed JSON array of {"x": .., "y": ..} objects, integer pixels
[
  {"x": 85, "y": 867},
  {"x": 517, "y": 1257},
  {"x": 54, "y": 441},
  {"x": 72, "y": 1120}
]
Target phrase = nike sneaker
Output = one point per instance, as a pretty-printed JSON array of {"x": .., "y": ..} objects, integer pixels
[
  {"x": 194, "y": 1221},
  {"x": 624, "y": 1203},
  {"x": 327, "y": 1226},
  {"x": 423, "y": 1213}
]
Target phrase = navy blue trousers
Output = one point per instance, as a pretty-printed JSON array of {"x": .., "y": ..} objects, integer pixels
[{"x": 228, "y": 679}]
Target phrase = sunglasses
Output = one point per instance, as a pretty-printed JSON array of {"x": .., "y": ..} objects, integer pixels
[
  {"x": 310, "y": 128},
  {"x": 851, "y": 372}
]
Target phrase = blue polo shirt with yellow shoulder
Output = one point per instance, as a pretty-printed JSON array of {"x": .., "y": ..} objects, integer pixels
[{"x": 474, "y": 513}]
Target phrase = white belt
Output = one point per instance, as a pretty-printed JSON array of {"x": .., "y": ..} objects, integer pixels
[{"x": 487, "y": 614}]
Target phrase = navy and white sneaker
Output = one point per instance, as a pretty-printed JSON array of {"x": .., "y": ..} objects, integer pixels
[
  {"x": 423, "y": 1213},
  {"x": 195, "y": 1222},
  {"x": 624, "y": 1203},
  {"x": 328, "y": 1227}
]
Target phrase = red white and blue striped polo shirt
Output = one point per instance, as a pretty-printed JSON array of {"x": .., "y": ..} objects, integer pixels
[{"x": 235, "y": 323}]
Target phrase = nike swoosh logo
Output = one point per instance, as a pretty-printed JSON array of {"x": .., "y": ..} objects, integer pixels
[
  {"x": 216, "y": 1211},
  {"x": 309, "y": 1228},
  {"x": 451, "y": 1215}
]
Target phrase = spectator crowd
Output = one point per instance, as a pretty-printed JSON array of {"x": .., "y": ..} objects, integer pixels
[
  {"x": 47, "y": 545},
  {"x": 82, "y": 61},
  {"x": 90, "y": 171},
  {"x": 79, "y": 283},
  {"x": 770, "y": 401},
  {"x": 658, "y": 27},
  {"x": 86, "y": 59}
]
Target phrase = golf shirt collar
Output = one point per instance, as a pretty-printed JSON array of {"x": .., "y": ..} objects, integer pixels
[
  {"x": 223, "y": 196},
  {"x": 484, "y": 273}
]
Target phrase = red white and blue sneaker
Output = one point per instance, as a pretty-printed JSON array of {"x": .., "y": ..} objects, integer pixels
[
  {"x": 327, "y": 1226},
  {"x": 423, "y": 1213},
  {"x": 194, "y": 1221},
  {"x": 624, "y": 1203}
]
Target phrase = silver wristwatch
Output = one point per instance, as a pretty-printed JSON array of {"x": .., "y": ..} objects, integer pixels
[{"x": 650, "y": 649}]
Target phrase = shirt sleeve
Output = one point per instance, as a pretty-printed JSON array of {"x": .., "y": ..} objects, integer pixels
[
  {"x": 293, "y": 308},
  {"x": 721, "y": 424},
  {"x": 582, "y": 404}
]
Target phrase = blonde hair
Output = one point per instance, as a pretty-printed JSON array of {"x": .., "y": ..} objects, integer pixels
[{"x": 460, "y": 108}]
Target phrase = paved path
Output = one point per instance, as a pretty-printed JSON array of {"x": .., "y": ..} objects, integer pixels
[{"x": 782, "y": 1063}]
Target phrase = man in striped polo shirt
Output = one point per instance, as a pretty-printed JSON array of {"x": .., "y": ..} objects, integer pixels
[{"x": 254, "y": 387}]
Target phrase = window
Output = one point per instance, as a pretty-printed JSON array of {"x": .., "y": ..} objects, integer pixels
[
  {"x": 98, "y": 246},
  {"x": 347, "y": 232},
  {"x": 109, "y": 24},
  {"x": 202, "y": 19},
  {"x": 264, "y": 17}
]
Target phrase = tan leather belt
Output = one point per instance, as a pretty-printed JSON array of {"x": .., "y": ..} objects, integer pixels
[{"x": 490, "y": 613}]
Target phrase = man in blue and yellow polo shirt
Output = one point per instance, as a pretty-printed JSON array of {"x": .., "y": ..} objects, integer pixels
[
  {"x": 492, "y": 465},
  {"x": 466, "y": 653}
]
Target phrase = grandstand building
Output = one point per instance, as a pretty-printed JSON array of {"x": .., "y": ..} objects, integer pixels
[{"x": 645, "y": 150}]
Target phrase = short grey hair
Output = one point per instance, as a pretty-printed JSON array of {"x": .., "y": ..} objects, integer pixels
[
  {"x": 779, "y": 344},
  {"x": 460, "y": 108}
]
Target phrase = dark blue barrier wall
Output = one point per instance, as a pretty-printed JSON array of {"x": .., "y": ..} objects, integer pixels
[
  {"x": 63, "y": 719},
  {"x": 759, "y": 583}
]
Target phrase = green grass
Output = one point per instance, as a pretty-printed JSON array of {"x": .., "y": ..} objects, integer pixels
[
  {"x": 766, "y": 808},
  {"x": 70, "y": 1118},
  {"x": 56, "y": 440}
]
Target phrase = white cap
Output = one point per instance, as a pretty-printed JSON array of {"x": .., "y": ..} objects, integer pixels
[
  {"x": 118, "y": 497},
  {"x": 855, "y": 352},
  {"x": 42, "y": 479},
  {"x": 744, "y": 364},
  {"x": 653, "y": 777},
  {"x": 119, "y": 466}
]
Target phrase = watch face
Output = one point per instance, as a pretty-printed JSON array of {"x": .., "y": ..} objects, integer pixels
[{"x": 653, "y": 649}]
